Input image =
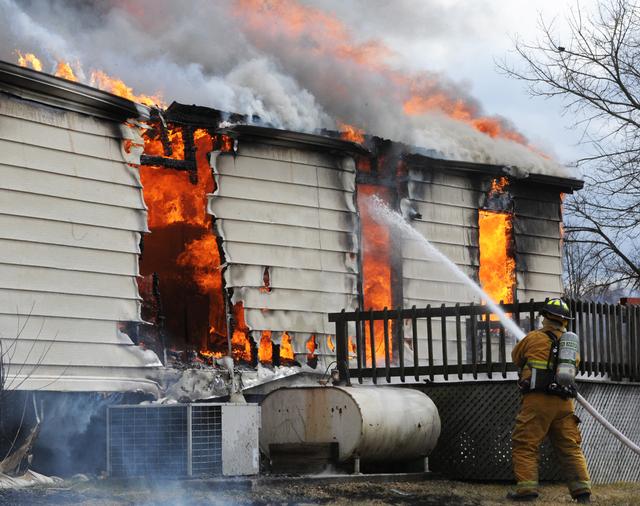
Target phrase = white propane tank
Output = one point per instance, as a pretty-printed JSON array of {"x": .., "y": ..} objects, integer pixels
[
  {"x": 568, "y": 349},
  {"x": 372, "y": 423}
]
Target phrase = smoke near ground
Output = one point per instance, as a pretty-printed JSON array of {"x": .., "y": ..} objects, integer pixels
[{"x": 297, "y": 64}]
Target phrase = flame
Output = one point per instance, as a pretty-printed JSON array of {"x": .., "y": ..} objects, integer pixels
[
  {"x": 65, "y": 71},
  {"x": 211, "y": 354},
  {"x": 351, "y": 133},
  {"x": 286, "y": 348},
  {"x": 376, "y": 268},
  {"x": 497, "y": 271},
  {"x": 265, "y": 350},
  {"x": 240, "y": 341},
  {"x": 189, "y": 255},
  {"x": 266, "y": 281},
  {"x": 498, "y": 186},
  {"x": 99, "y": 79},
  {"x": 311, "y": 346},
  {"x": 29, "y": 60},
  {"x": 425, "y": 100},
  {"x": 105, "y": 82},
  {"x": 352, "y": 346},
  {"x": 203, "y": 257},
  {"x": 169, "y": 195},
  {"x": 182, "y": 248}
]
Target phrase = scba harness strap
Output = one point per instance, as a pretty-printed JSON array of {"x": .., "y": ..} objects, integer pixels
[{"x": 543, "y": 375}]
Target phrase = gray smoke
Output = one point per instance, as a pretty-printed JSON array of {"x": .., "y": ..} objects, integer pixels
[{"x": 245, "y": 57}]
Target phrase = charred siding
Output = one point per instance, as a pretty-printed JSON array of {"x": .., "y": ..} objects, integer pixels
[
  {"x": 448, "y": 204},
  {"x": 71, "y": 214},
  {"x": 537, "y": 241}
]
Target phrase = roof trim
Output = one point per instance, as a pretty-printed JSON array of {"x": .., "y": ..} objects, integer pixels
[
  {"x": 289, "y": 138},
  {"x": 56, "y": 92},
  {"x": 565, "y": 184}
]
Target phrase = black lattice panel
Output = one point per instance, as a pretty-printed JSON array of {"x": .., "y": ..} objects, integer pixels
[
  {"x": 478, "y": 417},
  {"x": 609, "y": 460},
  {"x": 206, "y": 440}
]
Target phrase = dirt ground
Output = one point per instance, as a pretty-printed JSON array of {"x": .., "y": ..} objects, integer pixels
[{"x": 298, "y": 492}]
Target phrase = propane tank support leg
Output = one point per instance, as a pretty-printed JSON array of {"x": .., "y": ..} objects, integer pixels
[
  {"x": 356, "y": 465},
  {"x": 426, "y": 465}
]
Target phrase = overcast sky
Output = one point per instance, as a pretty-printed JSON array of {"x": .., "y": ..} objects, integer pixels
[{"x": 224, "y": 55}]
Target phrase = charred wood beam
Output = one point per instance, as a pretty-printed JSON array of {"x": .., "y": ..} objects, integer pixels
[
  {"x": 190, "y": 152},
  {"x": 187, "y": 164}
]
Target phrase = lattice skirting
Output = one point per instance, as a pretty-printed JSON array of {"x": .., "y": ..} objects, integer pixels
[{"x": 478, "y": 417}]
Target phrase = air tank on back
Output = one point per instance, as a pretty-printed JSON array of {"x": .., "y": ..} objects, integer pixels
[
  {"x": 568, "y": 349},
  {"x": 371, "y": 423}
]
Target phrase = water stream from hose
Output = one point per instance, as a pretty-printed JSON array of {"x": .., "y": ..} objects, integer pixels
[{"x": 381, "y": 213}]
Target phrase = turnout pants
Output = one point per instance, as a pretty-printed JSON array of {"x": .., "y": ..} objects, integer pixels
[{"x": 541, "y": 415}]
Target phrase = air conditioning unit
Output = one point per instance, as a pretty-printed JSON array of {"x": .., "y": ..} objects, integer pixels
[{"x": 199, "y": 439}]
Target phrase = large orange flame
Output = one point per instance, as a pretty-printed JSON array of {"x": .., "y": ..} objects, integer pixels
[
  {"x": 497, "y": 271},
  {"x": 376, "y": 268},
  {"x": 183, "y": 249}
]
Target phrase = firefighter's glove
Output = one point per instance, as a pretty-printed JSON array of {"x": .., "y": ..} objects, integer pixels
[{"x": 524, "y": 385}]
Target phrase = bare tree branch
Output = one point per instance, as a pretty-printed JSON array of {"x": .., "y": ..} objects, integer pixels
[{"x": 596, "y": 70}]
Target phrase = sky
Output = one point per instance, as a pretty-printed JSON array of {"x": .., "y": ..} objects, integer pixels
[{"x": 397, "y": 69}]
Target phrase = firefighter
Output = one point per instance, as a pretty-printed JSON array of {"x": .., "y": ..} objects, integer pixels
[{"x": 546, "y": 410}]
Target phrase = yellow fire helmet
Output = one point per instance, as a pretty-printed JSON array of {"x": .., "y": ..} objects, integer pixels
[{"x": 557, "y": 308}]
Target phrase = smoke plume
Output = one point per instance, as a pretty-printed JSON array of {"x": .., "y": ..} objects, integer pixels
[{"x": 297, "y": 64}]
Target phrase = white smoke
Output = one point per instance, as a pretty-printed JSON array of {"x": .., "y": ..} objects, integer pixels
[{"x": 219, "y": 54}]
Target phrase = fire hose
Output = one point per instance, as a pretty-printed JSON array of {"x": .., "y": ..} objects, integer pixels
[
  {"x": 607, "y": 425},
  {"x": 601, "y": 419},
  {"x": 381, "y": 212}
]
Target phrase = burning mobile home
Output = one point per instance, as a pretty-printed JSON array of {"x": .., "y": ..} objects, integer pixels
[
  {"x": 256, "y": 234},
  {"x": 137, "y": 241}
]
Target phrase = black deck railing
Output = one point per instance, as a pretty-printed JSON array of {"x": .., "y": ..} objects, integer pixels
[{"x": 467, "y": 340}]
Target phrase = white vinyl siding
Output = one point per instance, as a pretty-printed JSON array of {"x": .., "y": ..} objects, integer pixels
[
  {"x": 292, "y": 211},
  {"x": 71, "y": 215}
]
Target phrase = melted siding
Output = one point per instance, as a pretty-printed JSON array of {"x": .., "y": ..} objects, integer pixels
[
  {"x": 71, "y": 215},
  {"x": 537, "y": 242},
  {"x": 292, "y": 211},
  {"x": 448, "y": 204}
]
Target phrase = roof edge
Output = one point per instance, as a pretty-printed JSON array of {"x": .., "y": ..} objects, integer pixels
[
  {"x": 565, "y": 184},
  {"x": 63, "y": 94},
  {"x": 289, "y": 138}
]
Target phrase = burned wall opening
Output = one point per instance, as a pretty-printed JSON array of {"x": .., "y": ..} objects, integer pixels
[
  {"x": 193, "y": 319},
  {"x": 182, "y": 251}
]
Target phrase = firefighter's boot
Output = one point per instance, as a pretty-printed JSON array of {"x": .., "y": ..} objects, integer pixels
[{"x": 523, "y": 495}]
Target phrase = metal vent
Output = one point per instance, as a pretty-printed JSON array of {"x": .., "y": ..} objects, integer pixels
[
  {"x": 180, "y": 440},
  {"x": 206, "y": 440}
]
